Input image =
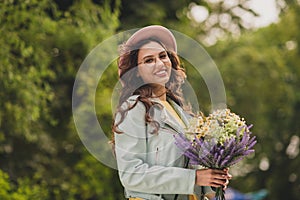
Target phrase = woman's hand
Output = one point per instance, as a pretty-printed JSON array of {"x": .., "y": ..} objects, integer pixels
[{"x": 213, "y": 177}]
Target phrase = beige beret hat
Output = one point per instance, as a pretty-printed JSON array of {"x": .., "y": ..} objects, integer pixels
[{"x": 157, "y": 31}]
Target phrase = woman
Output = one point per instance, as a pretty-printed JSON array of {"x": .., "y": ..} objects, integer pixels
[{"x": 149, "y": 114}]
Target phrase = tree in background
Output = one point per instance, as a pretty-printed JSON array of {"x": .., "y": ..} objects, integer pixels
[
  {"x": 43, "y": 45},
  {"x": 207, "y": 20},
  {"x": 261, "y": 75}
]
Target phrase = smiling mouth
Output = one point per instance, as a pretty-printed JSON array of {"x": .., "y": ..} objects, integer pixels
[{"x": 161, "y": 73}]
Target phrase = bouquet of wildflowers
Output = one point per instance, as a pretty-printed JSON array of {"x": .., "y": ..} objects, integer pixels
[{"x": 218, "y": 141}]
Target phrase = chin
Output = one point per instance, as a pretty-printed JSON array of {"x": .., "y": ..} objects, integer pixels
[{"x": 164, "y": 82}]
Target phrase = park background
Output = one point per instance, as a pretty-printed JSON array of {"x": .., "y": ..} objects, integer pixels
[{"x": 44, "y": 42}]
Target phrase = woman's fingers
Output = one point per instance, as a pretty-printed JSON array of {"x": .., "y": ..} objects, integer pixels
[
  {"x": 227, "y": 172},
  {"x": 213, "y": 177},
  {"x": 219, "y": 181},
  {"x": 221, "y": 174}
]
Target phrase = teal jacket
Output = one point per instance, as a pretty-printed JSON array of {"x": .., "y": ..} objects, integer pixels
[{"x": 150, "y": 165}]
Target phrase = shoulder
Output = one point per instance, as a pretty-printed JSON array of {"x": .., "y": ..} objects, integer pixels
[
  {"x": 132, "y": 104},
  {"x": 133, "y": 109},
  {"x": 132, "y": 116}
]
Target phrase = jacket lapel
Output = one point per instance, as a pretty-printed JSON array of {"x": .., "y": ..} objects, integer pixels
[
  {"x": 169, "y": 121},
  {"x": 185, "y": 117}
]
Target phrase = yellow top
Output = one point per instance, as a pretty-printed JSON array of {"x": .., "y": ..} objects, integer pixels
[{"x": 173, "y": 112}]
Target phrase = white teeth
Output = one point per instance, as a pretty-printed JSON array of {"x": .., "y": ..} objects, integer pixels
[{"x": 161, "y": 72}]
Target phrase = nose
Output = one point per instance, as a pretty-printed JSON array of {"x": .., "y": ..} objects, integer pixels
[{"x": 159, "y": 62}]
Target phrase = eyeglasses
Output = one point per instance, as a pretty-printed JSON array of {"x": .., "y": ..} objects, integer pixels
[{"x": 151, "y": 60}]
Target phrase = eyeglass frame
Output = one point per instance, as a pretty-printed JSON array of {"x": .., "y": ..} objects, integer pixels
[{"x": 154, "y": 57}]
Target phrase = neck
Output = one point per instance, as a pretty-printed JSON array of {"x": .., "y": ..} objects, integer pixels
[
  {"x": 160, "y": 92},
  {"x": 163, "y": 97}
]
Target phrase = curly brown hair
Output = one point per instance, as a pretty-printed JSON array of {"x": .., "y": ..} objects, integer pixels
[{"x": 134, "y": 85}]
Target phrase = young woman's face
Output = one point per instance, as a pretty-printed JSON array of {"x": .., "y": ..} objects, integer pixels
[{"x": 154, "y": 64}]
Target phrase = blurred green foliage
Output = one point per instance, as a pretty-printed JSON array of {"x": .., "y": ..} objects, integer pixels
[
  {"x": 45, "y": 42},
  {"x": 43, "y": 45},
  {"x": 24, "y": 190},
  {"x": 261, "y": 75}
]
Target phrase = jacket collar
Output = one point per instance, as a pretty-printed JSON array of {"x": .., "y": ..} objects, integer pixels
[
  {"x": 168, "y": 120},
  {"x": 165, "y": 118}
]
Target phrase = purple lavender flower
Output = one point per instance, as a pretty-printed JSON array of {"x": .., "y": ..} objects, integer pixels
[{"x": 218, "y": 149}]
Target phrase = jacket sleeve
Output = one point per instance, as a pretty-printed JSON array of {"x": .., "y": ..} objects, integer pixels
[{"x": 134, "y": 171}]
